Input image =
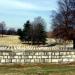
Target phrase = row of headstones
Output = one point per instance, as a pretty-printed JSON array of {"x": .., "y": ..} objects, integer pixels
[
  {"x": 28, "y": 56},
  {"x": 33, "y": 48}
]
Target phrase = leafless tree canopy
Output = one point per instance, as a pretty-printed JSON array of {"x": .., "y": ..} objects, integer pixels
[{"x": 63, "y": 22}]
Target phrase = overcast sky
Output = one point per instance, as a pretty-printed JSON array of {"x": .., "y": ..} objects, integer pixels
[{"x": 16, "y": 12}]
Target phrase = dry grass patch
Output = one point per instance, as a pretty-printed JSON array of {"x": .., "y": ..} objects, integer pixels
[{"x": 37, "y": 69}]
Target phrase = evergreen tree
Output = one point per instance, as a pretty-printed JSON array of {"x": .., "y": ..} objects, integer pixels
[
  {"x": 34, "y": 33},
  {"x": 20, "y": 33},
  {"x": 27, "y": 31}
]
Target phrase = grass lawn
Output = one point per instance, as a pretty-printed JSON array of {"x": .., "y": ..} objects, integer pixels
[{"x": 38, "y": 69}]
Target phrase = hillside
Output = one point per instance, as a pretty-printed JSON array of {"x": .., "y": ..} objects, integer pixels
[{"x": 9, "y": 42}]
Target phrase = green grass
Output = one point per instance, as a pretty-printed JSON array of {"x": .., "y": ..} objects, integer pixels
[{"x": 38, "y": 69}]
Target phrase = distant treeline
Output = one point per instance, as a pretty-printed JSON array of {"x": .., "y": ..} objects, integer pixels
[{"x": 5, "y": 31}]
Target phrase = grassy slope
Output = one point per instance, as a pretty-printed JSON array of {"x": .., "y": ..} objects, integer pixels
[
  {"x": 10, "y": 40},
  {"x": 37, "y": 69}
]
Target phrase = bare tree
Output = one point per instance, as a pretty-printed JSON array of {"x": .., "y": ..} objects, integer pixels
[
  {"x": 39, "y": 30},
  {"x": 2, "y": 27},
  {"x": 63, "y": 22}
]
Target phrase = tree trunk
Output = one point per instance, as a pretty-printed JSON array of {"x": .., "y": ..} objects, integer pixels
[{"x": 73, "y": 43}]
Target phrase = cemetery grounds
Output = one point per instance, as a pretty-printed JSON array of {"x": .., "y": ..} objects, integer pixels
[{"x": 33, "y": 69}]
